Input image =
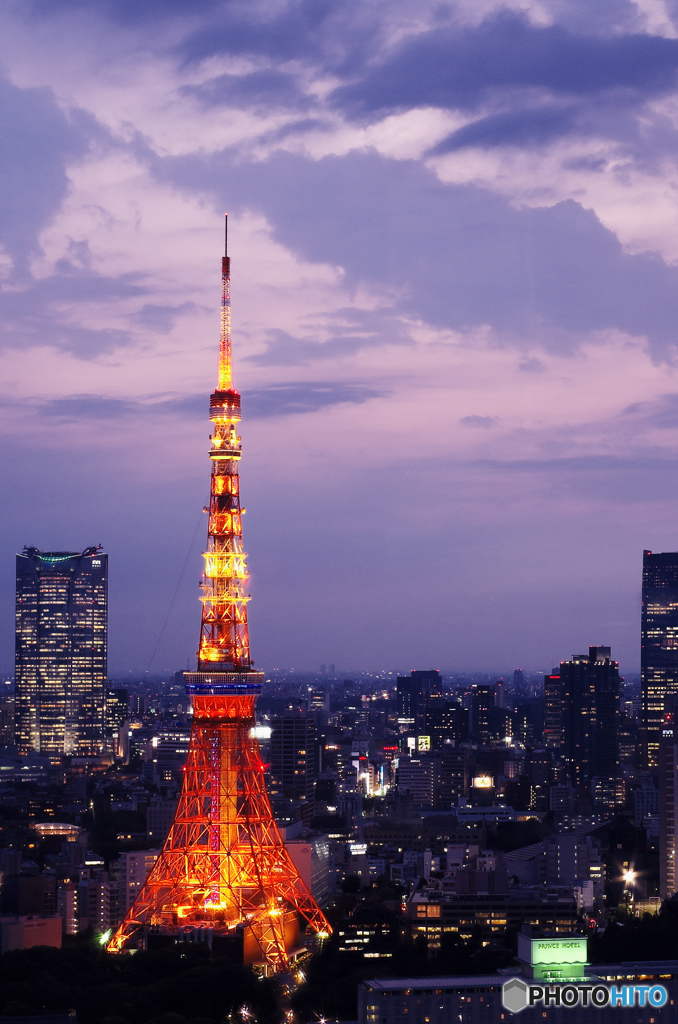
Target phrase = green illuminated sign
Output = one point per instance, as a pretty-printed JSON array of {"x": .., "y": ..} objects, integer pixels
[{"x": 559, "y": 951}]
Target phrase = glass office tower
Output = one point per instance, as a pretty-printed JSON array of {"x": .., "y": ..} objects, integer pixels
[
  {"x": 61, "y": 651},
  {"x": 658, "y": 646}
]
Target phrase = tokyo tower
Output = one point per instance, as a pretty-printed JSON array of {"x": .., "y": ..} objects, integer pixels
[{"x": 224, "y": 871}]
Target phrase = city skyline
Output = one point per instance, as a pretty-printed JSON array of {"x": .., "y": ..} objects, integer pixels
[{"x": 456, "y": 303}]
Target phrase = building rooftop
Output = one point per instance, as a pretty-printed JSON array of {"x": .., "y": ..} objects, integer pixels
[{"x": 451, "y": 981}]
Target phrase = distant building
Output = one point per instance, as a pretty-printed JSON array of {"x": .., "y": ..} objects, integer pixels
[
  {"x": 6, "y": 722},
  {"x": 668, "y": 801},
  {"x": 61, "y": 652},
  {"x": 446, "y": 722},
  {"x": 490, "y": 721},
  {"x": 658, "y": 646},
  {"x": 590, "y": 714},
  {"x": 312, "y": 859},
  {"x": 24, "y": 932},
  {"x": 415, "y": 694},
  {"x": 371, "y": 930},
  {"x": 94, "y": 901},
  {"x": 452, "y": 777},
  {"x": 159, "y": 817},
  {"x": 553, "y": 711},
  {"x": 128, "y": 873},
  {"x": 484, "y": 998},
  {"x": 293, "y": 760},
  {"x": 117, "y": 713},
  {"x": 430, "y": 916},
  {"x": 415, "y": 776},
  {"x": 170, "y": 749}
]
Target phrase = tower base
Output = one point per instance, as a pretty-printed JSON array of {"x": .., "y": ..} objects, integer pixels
[{"x": 224, "y": 868}]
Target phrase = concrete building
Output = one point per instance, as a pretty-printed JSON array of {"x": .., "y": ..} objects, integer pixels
[
  {"x": 415, "y": 776},
  {"x": 432, "y": 914},
  {"x": 485, "y": 998},
  {"x": 23, "y": 932},
  {"x": 590, "y": 714},
  {"x": 313, "y": 861},
  {"x": 293, "y": 762},
  {"x": 128, "y": 873},
  {"x": 159, "y": 817}
]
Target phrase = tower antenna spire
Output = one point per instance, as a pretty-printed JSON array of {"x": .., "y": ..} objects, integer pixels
[{"x": 225, "y": 354}]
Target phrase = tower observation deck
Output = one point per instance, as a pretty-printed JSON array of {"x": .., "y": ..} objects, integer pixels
[{"x": 224, "y": 872}]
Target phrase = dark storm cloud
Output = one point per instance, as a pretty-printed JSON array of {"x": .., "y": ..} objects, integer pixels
[
  {"x": 452, "y": 67},
  {"x": 454, "y": 256},
  {"x": 37, "y": 143}
]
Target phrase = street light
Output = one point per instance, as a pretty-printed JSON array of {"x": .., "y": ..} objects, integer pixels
[{"x": 629, "y": 877}]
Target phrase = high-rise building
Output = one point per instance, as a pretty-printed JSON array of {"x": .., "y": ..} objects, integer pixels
[
  {"x": 590, "y": 714},
  {"x": 668, "y": 800},
  {"x": 293, "y": 759},
  {"x": 553, "y": 711},
  {"x": 61, "y": 651},
  {"x": 446, "y": 722},
  {"x": 658, "y": 646},
  {"x": 415, "y": 693},
  {"x": 483, "y": 703}
]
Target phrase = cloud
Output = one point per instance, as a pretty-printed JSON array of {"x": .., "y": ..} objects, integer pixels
[
  {"x": 161, "y": 318},
  {"x": 483, "y": 422},
  {"x": 288, "y": 399},
  {"x": 519, "y": 128},
  {"x": 347, "y": 331},
  {"x": 662, "y": 413},
  {"x": 454, "y": 256},
  {"x": 129, "y": 12},
  {"x": 258, "y": 403},
  {"x": 459, "y": 68},
  {"x": 38, "y": 141},
  {"x": 268, "y": 88},
  {"x": 45, "y": 311},
  {"x": 88, "y": 407},
  {"x": 531, "y": 365},
  {"x": 332, "y": 33}
]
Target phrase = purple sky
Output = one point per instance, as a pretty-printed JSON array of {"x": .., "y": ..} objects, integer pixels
[{"x": 454, "y": 232}]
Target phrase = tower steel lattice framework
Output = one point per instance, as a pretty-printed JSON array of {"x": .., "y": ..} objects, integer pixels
[{"x": 224, "y": 866}]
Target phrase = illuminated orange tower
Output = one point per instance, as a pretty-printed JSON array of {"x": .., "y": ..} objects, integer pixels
[{"x": 224, "y": 871}]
